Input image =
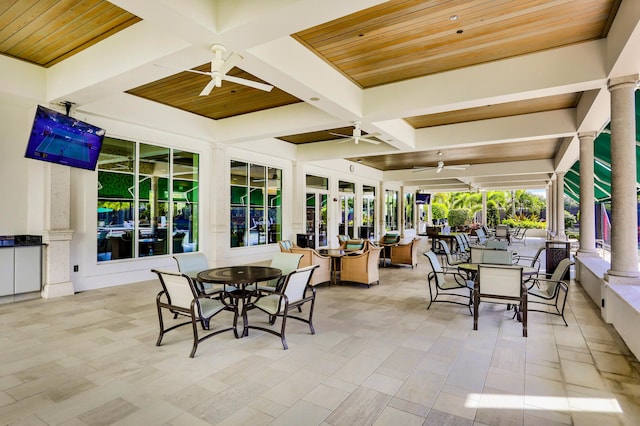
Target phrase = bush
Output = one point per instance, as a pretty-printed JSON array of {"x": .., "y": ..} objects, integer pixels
[
  {"x": 569, "y": 220},
  {"x": 523, "y": 222},
  {"x": 458, "y": 217},
  {"x": 439, "y": 211},
  {"x": 493, "y": 216}
]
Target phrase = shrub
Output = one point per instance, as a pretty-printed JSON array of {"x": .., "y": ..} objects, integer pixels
[
  {"x": 439, "y": 211},
  {"x": 569, "y": 220},
  {"x": 458, "y": 217},
  {"x": 524, "y": 222},
  {"x": 492, "y": 215}
]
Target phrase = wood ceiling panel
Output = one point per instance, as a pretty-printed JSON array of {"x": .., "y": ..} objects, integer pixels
[
  {"x": 402, "y": 39},
  {"x": 515, "y": 151},
  {"x": 548, "y": 103},
  {"x": 322, "y": 135},
  {"x": 182, "y": 91},
  {"x": 45, "y": 32}
]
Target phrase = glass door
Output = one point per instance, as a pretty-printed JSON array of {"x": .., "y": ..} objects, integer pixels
[{"x": 317, "y": 218}]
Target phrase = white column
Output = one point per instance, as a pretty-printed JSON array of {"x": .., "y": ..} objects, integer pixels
[
  {"x": 587, "y": 205},
  {"x": 549, "y": 200},
  {"x": 560, "y": 206},
  {"x": 624, "y": 245},
  {"x": 57, "y": 232},
  {"x": 484, "y": 207},
  {"x": 554, "y": 204}
]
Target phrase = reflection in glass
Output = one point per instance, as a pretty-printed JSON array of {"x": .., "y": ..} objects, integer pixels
[
  {"x": 408, "y": 210},
  {"x": 116, "y": 174},
  {"x": 185, "y": 201},
  {"x": 391, "y": 210},
  {"x": 153, "y": 207}
]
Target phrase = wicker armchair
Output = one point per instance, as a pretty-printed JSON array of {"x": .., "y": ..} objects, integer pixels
[
  {"x": 322, "y": 274},
  {"x": 405, "y": 254},
  {"x": 361, "y": 268}
]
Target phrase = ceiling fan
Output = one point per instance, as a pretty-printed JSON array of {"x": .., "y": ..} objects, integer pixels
[
  {"x": 357, "y": 135},
  {"x": 219, "y": 69},
  {"x": 440, "y": 166}
]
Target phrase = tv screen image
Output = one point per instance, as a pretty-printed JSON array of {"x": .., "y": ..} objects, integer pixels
[
  {"x": 62, "y": 139},
  {"x": 423, "y": 198}
]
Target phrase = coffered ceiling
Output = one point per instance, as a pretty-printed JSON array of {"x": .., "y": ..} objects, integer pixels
[{"x": 503, "y": 86}]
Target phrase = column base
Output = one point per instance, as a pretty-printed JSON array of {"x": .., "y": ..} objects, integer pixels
[
  {"x": 50, "y": 291},
  {"x": 587, "y": 253}
]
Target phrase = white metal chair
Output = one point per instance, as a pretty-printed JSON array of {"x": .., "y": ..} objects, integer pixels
[
  {"x": 452, "y": 285},
  {"x": 278, "y": 303},
  {"x": 552, "y": 291},
  {"x": 180, "y": 297},
  {"x": 193, "y": 263},
  {"x": 503, "y": 285}
]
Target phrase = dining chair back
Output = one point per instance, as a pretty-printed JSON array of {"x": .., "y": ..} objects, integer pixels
[
  {"x": 552, "y": 291},
  {"x": 287, "y": 263},
  {"x": 503, "y": 285},
  {"x": 191, "y": 264},
  {"x": 497, "y": 244},
  {"x": 293, "y": 294},
  {"x": 405, "y": 253},
  {"x": 285, "y": 246},
  {"x": 447, "y": 286},
  {"x": 312, "y": 257},
  {"x": 180, "y": 297}
]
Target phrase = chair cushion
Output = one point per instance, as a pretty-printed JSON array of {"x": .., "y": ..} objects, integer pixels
[
  {"x": 390, "y": 239},
  {"x": 354, "y": 245}
]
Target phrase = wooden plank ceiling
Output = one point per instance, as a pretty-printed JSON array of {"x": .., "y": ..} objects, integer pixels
[
  {"x": 390, "y": 42},
  {"x": 45, "y": 32}
]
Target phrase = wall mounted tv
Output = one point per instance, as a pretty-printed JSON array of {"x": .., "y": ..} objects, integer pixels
[
  {"x": 62, "y": 139},
  {"x": 423, "y": 198}
]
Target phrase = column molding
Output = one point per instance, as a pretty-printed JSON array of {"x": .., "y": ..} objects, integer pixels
[
  {"x": 587, "y": 191},
  {"x": 560, "y": 206},
  {"x": 624, "y": 246}
]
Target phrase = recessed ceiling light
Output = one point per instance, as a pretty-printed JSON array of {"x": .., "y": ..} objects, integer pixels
[{"x": 453, "y": 17}]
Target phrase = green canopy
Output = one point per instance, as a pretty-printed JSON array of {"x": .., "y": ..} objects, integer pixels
[{"x": 602, "y": 164}]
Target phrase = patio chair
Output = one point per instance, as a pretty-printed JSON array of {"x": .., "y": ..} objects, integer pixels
[
  {"x": 405, "y": 254},
  {"x": 361, "y": 267},
  {"x": 278, "y": 303},
  {"x": 497, "y": 244},
  {"x": 452, "y": 286},
  {"x": 501, "y": 285},
  {"x": 463, "y": 251},
  {"x": 532, "y": 261},
  {"x": 312, "y": 257},
  {"x": 180, "y": 297},
  {"x": 552, "y": 291},
  {"x": 448, "y": 259},
  {"x": 285, "y": 246},
  {"x": 502, "y": 233},
  {"x": 286, "y": 262},
  {"x": 193, "y": 263},
  {"x": 520, "y": 236}
]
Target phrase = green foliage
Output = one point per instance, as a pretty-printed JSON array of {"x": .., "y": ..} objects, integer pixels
[
  {"x": 521, "y": 221},
  {"x": 458, "y": 217},
  {"x": 439, "y": 211},
  {"x": 492, "y": 214},
  {"x": 569, "y": 220}
]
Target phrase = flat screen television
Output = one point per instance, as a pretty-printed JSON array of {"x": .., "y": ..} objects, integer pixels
[
  {"x": 62, "y": 139},
  {"x": 423, "y": 198}
]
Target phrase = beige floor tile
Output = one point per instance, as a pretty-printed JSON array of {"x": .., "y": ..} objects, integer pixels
[
  {"x": 393, "y": 416},
  {"x": 378, "y": 356}
]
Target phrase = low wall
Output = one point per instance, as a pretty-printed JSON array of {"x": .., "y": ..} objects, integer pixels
[{"x": 619, "y": 303}]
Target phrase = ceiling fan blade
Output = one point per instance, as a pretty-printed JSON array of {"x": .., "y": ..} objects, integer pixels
[
  {"x": 368, "y": 140},
  {"x": 341, "y": 135},
  {"x": 208, "y": 88},
  {"x": 348, "y": 139},
  {"x": 458, "y": 167},
  {"x": 250, "y": 83},
  {"x": 230, "y": 62},
  {"x": 422, "y": 169}
]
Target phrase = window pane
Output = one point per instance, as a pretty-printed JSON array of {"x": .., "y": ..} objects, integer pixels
[
  {"x": 115, "y": 210},
  {"x": 349, "y": 187},
  {"x": 391, "y": 210},
  {"x": 317, "y": 182},
  {"x": 368, "y": 211},
  {"x": 408, "y": 210},
  {"x": 153, "y": 180},
  {"x": 256, "y": 206},
  {"x": 185, "y": 201}
]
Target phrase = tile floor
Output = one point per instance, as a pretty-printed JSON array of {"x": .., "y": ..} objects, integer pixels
[{"x": 379, "y": 358}]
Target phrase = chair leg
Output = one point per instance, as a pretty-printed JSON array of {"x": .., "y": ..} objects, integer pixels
[
  {"x": 161, "y": 322},
  {"x": 282, "y": 328},
  {"x": 194, "y": 326}
]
